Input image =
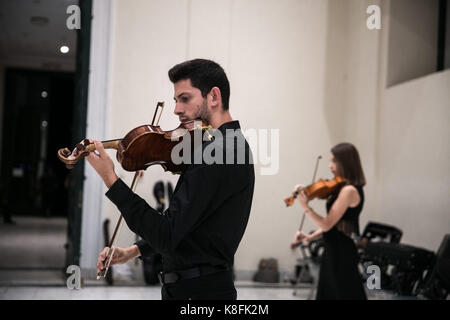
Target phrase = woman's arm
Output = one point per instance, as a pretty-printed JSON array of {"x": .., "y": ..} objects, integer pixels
[
  {"x": 346, "y": 197},
  {"x": 315, "y": 235},
  {"x": 302, "y": 237}
]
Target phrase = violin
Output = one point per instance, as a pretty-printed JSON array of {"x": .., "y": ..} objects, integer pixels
[
  {"x": 320, "y": 189},
  {"x": 142, "y": 147}
]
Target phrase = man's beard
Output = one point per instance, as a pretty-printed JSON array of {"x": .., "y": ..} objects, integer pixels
[{"x": 203, "y": 112}]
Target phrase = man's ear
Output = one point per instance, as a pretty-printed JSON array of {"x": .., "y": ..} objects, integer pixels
[{"x": 215, "y": 97}]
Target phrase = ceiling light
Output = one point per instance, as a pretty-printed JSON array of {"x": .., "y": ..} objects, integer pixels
[{"x": 64, "y": 49}]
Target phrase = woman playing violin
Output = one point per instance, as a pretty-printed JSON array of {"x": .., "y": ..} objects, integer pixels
[{"x": 339, "y": 277}]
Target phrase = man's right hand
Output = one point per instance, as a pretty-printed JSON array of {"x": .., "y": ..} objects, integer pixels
[{"x": 120, "y": 256}]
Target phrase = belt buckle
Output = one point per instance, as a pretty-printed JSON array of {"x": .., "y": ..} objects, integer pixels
[{"x": 170, "y": 277}]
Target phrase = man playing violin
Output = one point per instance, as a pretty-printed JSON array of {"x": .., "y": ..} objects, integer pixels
[
  {"x": 199, "y": 233},
  {"x": 339, "y": 276}
]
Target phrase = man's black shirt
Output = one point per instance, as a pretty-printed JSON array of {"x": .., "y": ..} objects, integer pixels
[{"x": 208, "y": 212}]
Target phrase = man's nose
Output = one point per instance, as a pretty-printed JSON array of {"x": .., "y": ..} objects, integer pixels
[{"x": 178, "y": 110}]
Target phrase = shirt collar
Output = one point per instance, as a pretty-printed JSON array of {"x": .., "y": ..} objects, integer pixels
[{"x": 229, "y": 125}]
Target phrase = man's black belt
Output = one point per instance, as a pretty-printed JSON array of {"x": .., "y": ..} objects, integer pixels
[{"x": 172, "y": 277}]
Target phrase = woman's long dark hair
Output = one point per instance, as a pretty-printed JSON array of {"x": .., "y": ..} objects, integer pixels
[{"x": 348, "y": 163}]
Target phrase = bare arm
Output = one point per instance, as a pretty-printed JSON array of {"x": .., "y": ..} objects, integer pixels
[
  {"x": 315, "y": 235},
  {"x": 347, "y": 196},
  {"x": 301, "y": 237}
]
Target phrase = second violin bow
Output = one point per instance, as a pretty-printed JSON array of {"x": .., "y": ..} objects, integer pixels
[{"x": 313, "y": 179}]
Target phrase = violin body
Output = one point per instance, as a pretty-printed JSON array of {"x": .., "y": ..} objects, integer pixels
[
  {"x": 321, "y": 189},
  {"x": 134, "y": 151},
  {"x": 142, "y": 147}
]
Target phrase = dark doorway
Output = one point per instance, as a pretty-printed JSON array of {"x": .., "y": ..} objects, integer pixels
[
  {"x": 37, "y": 118},
  {"x": 44, "y": 68}
]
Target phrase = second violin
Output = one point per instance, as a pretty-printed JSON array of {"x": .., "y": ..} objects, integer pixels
[{"x": 320, "y": 189}]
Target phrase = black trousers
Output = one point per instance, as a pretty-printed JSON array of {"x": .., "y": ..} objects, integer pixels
[{"x": 216, "y": 286}]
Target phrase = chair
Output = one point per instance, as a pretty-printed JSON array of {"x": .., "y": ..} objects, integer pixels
[{"x": 375, "y": 231}]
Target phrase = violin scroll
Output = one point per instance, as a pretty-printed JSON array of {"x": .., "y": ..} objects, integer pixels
[
  {"x": 289, "y": 201},
  {"x": 81, "y": 150}
]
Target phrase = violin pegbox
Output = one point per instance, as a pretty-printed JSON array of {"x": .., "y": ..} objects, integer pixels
[{"x": 71, "y": 158}]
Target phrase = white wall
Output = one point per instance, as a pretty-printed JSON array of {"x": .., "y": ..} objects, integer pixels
[
  {"x": 314, "y": 71},
  {"x": 401, "y": 131},
  {"x": 277, "y": 74},
  {"x": 273, "y": 53},
  {"x": 414, "y": 165},
  {"x": 352, "y": 88}
]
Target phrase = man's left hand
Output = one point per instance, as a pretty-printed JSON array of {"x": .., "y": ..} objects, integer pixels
[{"x": 102, "y": 163}]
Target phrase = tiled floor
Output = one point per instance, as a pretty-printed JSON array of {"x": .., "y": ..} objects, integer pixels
[
  {"x": 32, "y": 267},
  {"x": 129, "y": 293},
  {"x": 33, "y": 243},
  {"x": 154, "y": 293}
]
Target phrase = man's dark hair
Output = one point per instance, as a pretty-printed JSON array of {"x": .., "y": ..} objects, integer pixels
[{"x": 204, "y": 75}]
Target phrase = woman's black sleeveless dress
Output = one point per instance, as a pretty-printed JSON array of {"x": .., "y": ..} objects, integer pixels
[{"x": 339, "y": 277}]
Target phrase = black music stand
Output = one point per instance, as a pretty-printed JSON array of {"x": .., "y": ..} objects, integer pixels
[
  {"x": 308, "y": 265},
  {"x": 437, "y": 282},
  {"x": 377, "y": 232}
]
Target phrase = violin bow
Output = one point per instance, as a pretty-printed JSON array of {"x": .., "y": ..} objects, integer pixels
[
  {"x": 158, "y": 105},
  {"x": 313, "y": 179},
  {"x": 113, "y": 241}
]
